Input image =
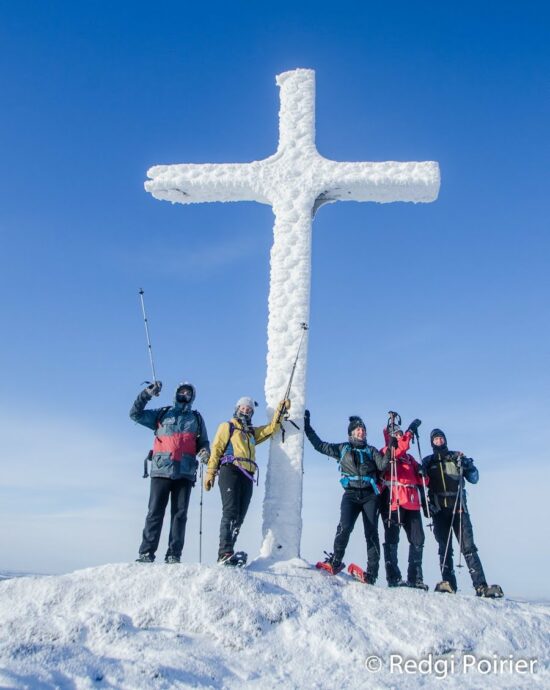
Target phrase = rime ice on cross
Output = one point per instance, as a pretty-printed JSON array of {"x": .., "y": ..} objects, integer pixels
[{"x": 295, "y": 181}]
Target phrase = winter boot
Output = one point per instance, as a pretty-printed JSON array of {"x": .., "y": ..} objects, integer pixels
[
  {"x": 489, "y": 591},
  {"x": 418, "y": 584},
  {"x": 235, "y": 560},
  {"x": 172, "y": 559},
  {"x": 445, "y": 586},
  {"x": 393, "y": 574},
  {"x": 145, "y": 558},
  {"x": 330, "y": 564}
]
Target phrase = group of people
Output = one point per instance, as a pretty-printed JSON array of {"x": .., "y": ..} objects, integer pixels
[{"x": 388, "y": 482}]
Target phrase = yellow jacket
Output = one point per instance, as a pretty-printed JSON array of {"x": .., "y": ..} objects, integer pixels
[{"x": 241, "y": 445}]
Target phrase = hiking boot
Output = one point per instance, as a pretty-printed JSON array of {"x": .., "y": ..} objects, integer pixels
[
  {"x": 417, "y": 585},
  {"x": 397, "y": 583},
  {"x": 489, "y": 591},
  {"x": 172, "y": 559},
  {"x": 145, "y": 558},
  {"x": 445, "y": 587},
  {"x": 331, "y": 565}
]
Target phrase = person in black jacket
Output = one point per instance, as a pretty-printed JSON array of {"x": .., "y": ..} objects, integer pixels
[
  {"x": 360, "y": 466},
  {"x": 447, "y": 470}
]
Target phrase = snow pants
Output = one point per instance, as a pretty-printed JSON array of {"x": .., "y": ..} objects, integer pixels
[
  {"x": 236, "y": 492},
  {"x": 411, "y": 522},
  {"x": 462, "y": 527},
  {"x": 354, "y": 503},
  {"x": 179, "y": 493}
]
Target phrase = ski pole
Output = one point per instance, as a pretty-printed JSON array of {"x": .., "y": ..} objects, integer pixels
[
  {"x": 200, "y": 514},
  {"x": 460, "y": 514},
  {"x": 443, "y": 565},
  {"x": 430, "y": 525},
  {"x": 392, "y": 425},
  {"x": 141, "y": 293},
  {"x": 283, "y": 411}
]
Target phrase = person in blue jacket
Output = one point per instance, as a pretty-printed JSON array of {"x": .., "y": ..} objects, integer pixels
[{"x": 180, "y": 437}]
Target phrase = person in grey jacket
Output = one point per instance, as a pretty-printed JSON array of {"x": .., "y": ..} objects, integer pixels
[
  {"x": 180, "y": 437},
  {"x": 360, "y": 466}
]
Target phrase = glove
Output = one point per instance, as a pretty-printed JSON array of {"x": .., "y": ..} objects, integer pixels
[
  {"x": 393, "y": 442},
  {"x": 209, "y": 480},
  {"x": 464, "y": 462},
  {"x": 413, "y": 426},
  {"x": 307, "y": 419},
  {"x": 203, "y": 455},
  {"x": 282, "y": 407},
  {"x": 154, "y": 388},
  {"x": 421, "y": 471}
]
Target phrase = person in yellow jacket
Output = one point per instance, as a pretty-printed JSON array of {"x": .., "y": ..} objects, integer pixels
[{"x": 233, "y": 457}]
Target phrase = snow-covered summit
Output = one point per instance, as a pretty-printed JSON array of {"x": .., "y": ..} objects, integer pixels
[{"x": 131, "y": 626}]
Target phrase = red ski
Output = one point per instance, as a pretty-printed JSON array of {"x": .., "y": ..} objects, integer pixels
[{"x": 358, "y": 573}]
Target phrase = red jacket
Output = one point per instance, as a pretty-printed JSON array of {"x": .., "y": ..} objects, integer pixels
[{"x": 405, "y": 486}]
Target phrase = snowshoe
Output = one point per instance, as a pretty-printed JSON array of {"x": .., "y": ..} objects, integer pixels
[
  {"x": 330, "y": 564},
  {"x": 445, "y": 587},
  {"x": 145, "y": 558},
  {"x": 361, "y": 575},
  {"x": 235, "y": 560},
  {"x": 418, "y": 585},
  {"x": 490, "y": 591}
]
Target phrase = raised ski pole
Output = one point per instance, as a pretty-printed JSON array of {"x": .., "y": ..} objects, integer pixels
[
  {"x": 430, "y": 524},
  {"x": 141, "y": 293},
  {"x": 283, "y": 412},
  {"x": 392, "y": 417}
]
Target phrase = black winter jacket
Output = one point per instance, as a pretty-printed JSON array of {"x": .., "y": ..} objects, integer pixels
[{"x": 360, "y": 467}]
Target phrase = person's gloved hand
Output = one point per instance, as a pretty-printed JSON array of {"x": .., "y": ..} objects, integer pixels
[
  {"x": 413, "y": 426},
  {"x": 282, "y": 408},
  {"x": 154, "y": 388},
  {"x": 203, "y": 455},
  {"x": 307, "y": 419},
  {"x": 421, "y": 471},
  {"x": 209, "y": 480},
  {"x": 464, "y": 462},
  {"x": 393, "y": 442}
]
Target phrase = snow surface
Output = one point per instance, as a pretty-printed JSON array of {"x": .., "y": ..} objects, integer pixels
[
  {"x": 296, "y": 180},
  {"x": 133, "y": 626}
]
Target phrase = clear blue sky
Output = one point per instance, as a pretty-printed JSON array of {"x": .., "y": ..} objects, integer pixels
[{"x": 439, "y": 311}]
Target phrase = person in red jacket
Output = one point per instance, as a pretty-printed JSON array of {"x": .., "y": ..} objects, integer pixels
[{"x": 400, "y": 504}]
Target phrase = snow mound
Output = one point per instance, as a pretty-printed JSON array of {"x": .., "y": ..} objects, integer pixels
[{"x": 163, "y": 626}]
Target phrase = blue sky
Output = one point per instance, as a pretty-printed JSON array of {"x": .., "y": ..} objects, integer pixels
[{"x": 438, "y": 311}]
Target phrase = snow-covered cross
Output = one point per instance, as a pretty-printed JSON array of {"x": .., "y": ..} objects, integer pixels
[{"x": 295, "y": 181}]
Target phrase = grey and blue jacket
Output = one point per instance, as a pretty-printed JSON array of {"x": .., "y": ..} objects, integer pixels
[{"x": 180, "y": 433}]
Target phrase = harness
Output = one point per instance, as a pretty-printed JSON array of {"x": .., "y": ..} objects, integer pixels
[
  {"x": 347, "y": 478},
  {"x": 230, "y": 459}
]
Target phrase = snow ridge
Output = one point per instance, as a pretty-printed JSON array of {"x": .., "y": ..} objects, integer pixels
[{"x": 130, "y": 626}]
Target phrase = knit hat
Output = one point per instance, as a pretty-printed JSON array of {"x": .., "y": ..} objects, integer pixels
[
  {"x": 247, "y": 402},
  {"x": 437, "y": 432},
  {"x": 354, "y": 423}
]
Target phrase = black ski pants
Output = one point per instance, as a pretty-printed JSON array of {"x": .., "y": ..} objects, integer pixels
[
  {"x": 179, "y": 493},
  {"x": 354, "y": 503},
  {"x": 236, "y": 492},
  {"x": 411, "y": 521},
  {"x": 443, "y": 519}
]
